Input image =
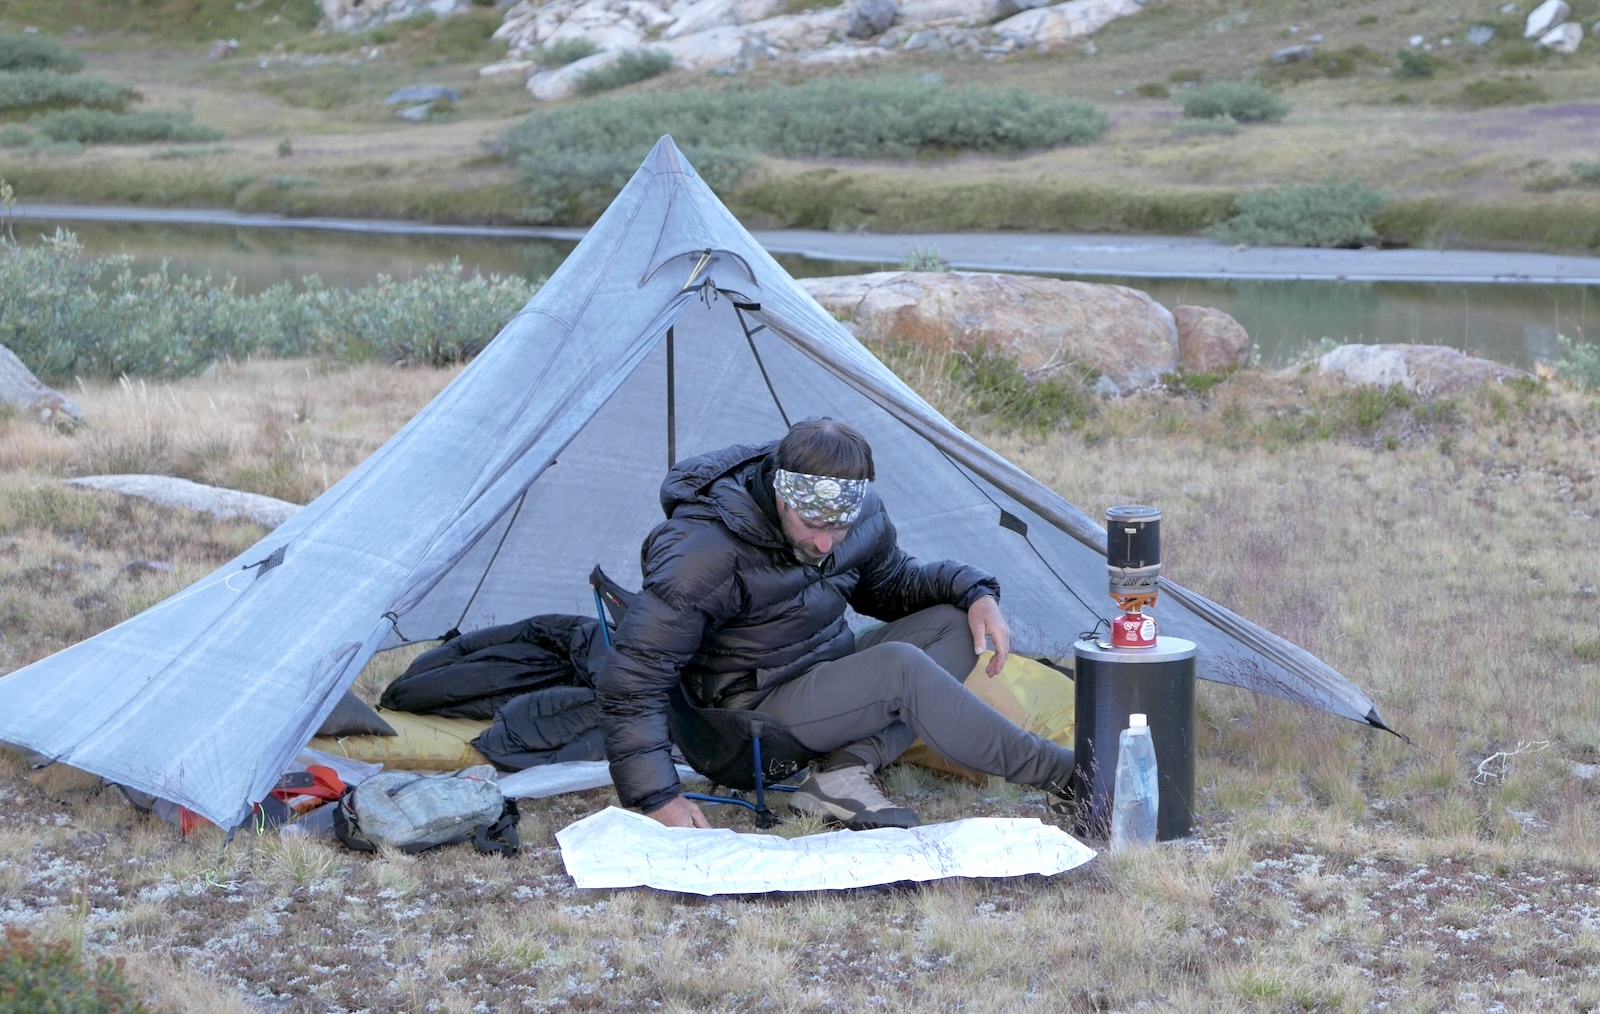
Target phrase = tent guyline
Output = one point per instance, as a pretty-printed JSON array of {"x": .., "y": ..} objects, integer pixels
[{"x": 458, "y": 522}]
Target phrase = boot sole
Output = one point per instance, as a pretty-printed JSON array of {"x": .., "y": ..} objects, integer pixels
[{"x": 852, "y": 819}]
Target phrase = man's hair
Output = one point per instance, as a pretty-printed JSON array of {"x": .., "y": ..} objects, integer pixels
[{"x": 824, "y": 446}]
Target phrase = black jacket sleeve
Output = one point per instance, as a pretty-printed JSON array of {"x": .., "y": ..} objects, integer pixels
[
  {"x": 689, "y": 588},
  {"x": 895, "y": 584}
]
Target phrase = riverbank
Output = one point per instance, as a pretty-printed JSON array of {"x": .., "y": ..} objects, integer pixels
[
  {"x": 307, "y": 133},
  {"x": 1030, "y": 253}
]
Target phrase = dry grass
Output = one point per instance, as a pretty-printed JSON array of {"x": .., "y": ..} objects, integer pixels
[{"x": 1334, "y": 869}]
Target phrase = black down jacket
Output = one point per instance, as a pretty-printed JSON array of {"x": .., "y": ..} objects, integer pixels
[{"x": 728, "y": 608}]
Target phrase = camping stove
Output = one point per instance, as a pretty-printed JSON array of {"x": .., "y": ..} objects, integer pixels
[{"x": 1133, "y": 565}]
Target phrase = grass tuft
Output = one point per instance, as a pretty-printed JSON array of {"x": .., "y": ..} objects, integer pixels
[{"x": 1503, "y": 91}]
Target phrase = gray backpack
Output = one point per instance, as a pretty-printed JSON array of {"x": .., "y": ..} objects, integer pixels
[{"x": 414, "y": 811}]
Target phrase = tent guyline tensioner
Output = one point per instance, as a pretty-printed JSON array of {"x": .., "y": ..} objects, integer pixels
[{"x": 1133, "y": 566}]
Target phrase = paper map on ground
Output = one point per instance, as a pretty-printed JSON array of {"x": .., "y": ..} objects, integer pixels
[{"x": 620, "y": 848}]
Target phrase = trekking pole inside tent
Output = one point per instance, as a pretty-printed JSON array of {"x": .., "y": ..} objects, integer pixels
[{"x": 672, "y": 407}]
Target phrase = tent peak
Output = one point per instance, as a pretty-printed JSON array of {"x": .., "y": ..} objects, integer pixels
[{"x": 666, "y": 157}]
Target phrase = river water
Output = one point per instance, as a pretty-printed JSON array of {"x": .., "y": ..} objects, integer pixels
[{"x": 1512, "y": 323}]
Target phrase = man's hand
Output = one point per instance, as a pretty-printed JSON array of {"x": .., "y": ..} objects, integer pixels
[
  {"x": 680, "y": 812},
  {"x": 983, "y": 616}
]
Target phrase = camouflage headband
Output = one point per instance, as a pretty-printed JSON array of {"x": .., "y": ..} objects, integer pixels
[{"x": 821, "y": 499}]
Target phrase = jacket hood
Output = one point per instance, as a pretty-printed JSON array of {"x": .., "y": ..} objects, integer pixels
[{"x": 726, "y": 485}]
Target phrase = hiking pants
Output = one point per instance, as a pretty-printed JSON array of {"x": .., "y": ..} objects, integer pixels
[{"x": 904, "y": 682}]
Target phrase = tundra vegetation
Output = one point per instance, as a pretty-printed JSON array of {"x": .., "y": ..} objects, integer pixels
[
  {"x": 1464, "y": 143},
  {"x": 1436, "y": 551}
]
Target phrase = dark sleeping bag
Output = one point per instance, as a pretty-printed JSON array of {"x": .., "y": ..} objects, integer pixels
[
  {"x": 472, "y": 675},
  {"x": 544, "y": 727}
]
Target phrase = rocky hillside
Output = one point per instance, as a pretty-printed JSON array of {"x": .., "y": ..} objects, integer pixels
[{"x": 732, "y": 35}]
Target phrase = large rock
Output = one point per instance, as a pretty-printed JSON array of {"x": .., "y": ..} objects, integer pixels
[
  {"x": 690, "y": 16},
  {"x": 562, "y": 82},
  {"x": 1563, "y": 39},
  {"x": 1429, "y": 371},
  {"x": 220, "y": 503},
  {"x": 870, "y": 18},
  {"x": 1040, "y": 323},
  {"x": 355, "y": 15},
  {"x": 1545, "y": 17},
  {"x": 1209, "y": 340},
  {"x": 20, "y": 389},
  {"x": 1052, "y": 26}
]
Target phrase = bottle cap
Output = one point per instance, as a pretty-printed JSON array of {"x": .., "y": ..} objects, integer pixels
[{"x": 1137, "y": 722}]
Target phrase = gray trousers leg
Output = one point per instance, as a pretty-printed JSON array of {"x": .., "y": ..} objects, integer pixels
[{"x": 904, "y": 681}]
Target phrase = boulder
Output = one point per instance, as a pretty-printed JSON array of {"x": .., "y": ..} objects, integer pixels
[
  {"x": 422, "y": 93},
  {"x": 1293, "y": 54},
  {"x": 870, "y": 18},
  {"x": 355, "y": 15},
  {"x": 1426, "y": 370},
  {"x": 691, "y": 16},
  {"x": 508, "y": 68},
  {"x": 1039, "y": 323},
  {"x": 416, "y": 114},
  {"x": 220, "y": 503},
  {"x": 999, "y": 10},
  {"x": 1052, "y": 26},
  {"x": 1563, "y": 39},
  {"x": 20, "y": 389},
  {"x": 1480, "y": 35},
  {"x": 1545, "y": 17},
  {"x": 1209, "y": 340},
  {"x": 559, "y": 83},
  {"x": 718, "y": 47},
  {"x": 222, "y": 49}
]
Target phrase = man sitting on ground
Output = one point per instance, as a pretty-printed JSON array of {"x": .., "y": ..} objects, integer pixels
[{"x": 744, "y": 596}]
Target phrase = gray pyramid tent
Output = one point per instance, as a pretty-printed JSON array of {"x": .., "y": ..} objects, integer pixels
[{"x": 667, "y": 332}]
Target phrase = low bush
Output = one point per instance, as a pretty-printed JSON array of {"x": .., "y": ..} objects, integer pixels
[
  {"x": 37, "y": 52},
  {"x": 993, "y": 385},
  {"x": 573, "y": 159},
  {"x": 66, "y": 314},
  {"x": 1586, "y": 172},
  {"x": 55, "y": 977},
  {"x": 564, "y": 51},
  {"x": 469, "y": 36},
  {"x": 105, "y": 126},
  {"x": 1316, "y": 215},
  {"x": 1416, "y": 63},
  {"x": 13, "y": 136},
  {"x": 1152, "y": 90},
  {"x": 25, "y": 90},
  {"x": 1504, "y": 91},
  {"x": 924, "y": 258},
  {"x": 1245, "y": 101},
  {"x": 1579, "y": 364},
  {"x": 1324, "y": 63},
  {"x": 630, "y": 67}
]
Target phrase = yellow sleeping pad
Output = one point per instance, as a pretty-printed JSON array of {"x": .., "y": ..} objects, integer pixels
[
  {"x": 1030, "y": 693},
  {"x": 420, "y": 743}
]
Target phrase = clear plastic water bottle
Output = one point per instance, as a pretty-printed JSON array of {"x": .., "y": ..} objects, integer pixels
[{"x": 1137, "y": 796}]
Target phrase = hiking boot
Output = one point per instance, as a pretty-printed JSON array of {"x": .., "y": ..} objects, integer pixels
[{"x": 851, "y": 796}]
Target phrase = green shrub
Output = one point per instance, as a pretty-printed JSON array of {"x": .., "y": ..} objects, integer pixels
[
  {"x": 630, "y": 67},
  {"x": 37, "y": 52},
  {"x": 56, "y": 978},
  {"x": 105, "y": 126},
  {"x": 1580, "y": 364},
  {"x": 1186, "y": 75},
  {"x": 1416, "y": 63},
  {"x": 1245, "y": 101},
  {"x": 1325, "y": 63},
  {"x": 1586, "y": 172},
  {"x": 36, "y": 89},
  {"x": 1316, "y": 215},
  {"x": 574, "y": 159},
  {"x": 1152, "y": 90},
  {"x": 66, "y": 314},
  {"x": 993, "y": 385},
  {"x": 469, "y": 36},
  {"x": 564, "y": 51},
  {"x": 924, "y": 258},
  {"x": 13, "y": 136},
  {"x": 1505, "y": 91}
]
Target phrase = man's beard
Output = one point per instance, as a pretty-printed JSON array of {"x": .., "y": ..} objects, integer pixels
[{"x": 807, "y": 555}]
